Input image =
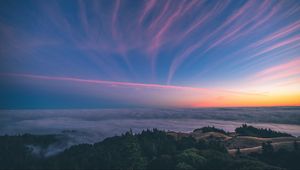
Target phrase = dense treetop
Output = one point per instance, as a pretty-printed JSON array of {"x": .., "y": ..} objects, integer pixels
[{"x": 150, "y": 149}]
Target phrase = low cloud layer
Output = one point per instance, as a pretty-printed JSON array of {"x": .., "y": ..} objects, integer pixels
[{"x": 90, "y": 126}]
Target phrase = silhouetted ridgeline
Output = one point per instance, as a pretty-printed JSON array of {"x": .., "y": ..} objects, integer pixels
[
  {"x": 210, "y": 129},
  {"x": 151, "y": 149},
  {"x": 246, "y": 130}
]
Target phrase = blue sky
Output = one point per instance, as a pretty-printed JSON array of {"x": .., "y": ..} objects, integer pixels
[{"x": 171, "y": 53}]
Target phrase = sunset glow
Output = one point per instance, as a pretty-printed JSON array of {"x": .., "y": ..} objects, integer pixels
[{"x": 172, "y": 53}]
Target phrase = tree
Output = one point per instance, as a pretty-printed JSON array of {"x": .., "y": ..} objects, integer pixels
[
  {"x": 238, "y": 152},
  {"x": 165, "y": 161},
  {"x": 267, "y": 147},
  {"x": 191, "y": 157},
  {"x": 184, "y": 166},
  {"x": 296, "y": 146}
]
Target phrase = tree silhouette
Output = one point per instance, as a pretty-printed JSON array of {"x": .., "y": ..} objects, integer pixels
[{"x": 267, "y": 147}]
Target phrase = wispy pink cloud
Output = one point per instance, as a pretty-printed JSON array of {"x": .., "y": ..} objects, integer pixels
[
  {"x": 204, "y": 18},
  {"x": 104, "y": 82},
  {"x": 262, "y": 18},
  {"x": 83, "y": 17},
  {"x": 235, "y": 31},
  {"x": 160, "y": 16},
  {"x": 178, "y": 60},
  {"x": 191, "y": 4},
  {"x": 281, "y": 71},
  {"x": 282, "y": 46},
  {"x": 164, "y": 21},
  {"x": 294, "y": 81},
  {"x": 146, "y": 28},
  {"x": 276, "y": 46},
  {"x": 291, "y": 64},
  {"x": 279, "y": 34},
  {"x": 114, "y": 19},
  {"x": 157, "y": 39},
  {"x": 147, "y": 8},
  {"x": 210, "y": 91}
]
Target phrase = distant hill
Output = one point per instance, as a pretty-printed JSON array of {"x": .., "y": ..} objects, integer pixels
[
  {"x": 246, "y": 130},
  {"x": 210, "y": 129}
]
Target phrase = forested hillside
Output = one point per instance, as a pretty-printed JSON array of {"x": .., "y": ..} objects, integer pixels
[{"x": 150, "y": 149}]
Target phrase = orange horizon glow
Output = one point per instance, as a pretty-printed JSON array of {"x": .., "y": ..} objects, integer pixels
[
  {"x": 184, "y": 96},
  {"x": 99, "y": 54}
]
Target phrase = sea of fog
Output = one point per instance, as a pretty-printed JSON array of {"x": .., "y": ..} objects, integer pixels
[
  {"x": 94, "y": 125},
  {"x": 89, "y": 126}
]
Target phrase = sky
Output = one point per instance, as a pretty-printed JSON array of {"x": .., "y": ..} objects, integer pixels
[{"x": 149, "y": 53}]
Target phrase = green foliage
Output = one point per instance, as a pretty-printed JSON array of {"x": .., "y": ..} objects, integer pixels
[
  {"x": 165, "y": 161},
  {"x": 210, "y": 129},
  {"x": 216, "y": 159},
  {"x": 281, "y": 158},
  {"x": 246, "y": 130},
  {"x": 296, "y": 145},
  {"x": 191, "y": 157},
  {"x": 238, "y": 152},
  {"x": 151, "y": 149},
  {"x": 155, "y": 143},
  {"x": 15, "y": 152},
  {"x": 186, "y": 142},
  {"x": 267, "y": 147},
  {"x": 246, "y": 164},
  {"x": 184, "y": 166}
]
